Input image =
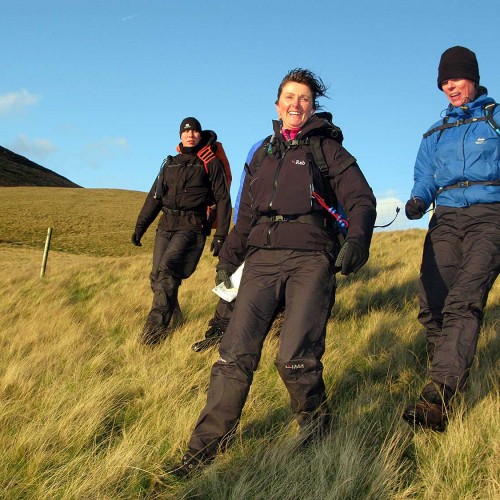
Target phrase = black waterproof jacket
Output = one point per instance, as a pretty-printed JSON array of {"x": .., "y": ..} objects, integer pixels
[
  {"x": 282, "y": 184},
  {"x": 183, "y": 190}
]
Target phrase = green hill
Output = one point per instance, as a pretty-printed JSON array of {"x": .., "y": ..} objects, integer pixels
[
  {"x": 16, "y": 170},
  {"x": 87, "y": 412}
]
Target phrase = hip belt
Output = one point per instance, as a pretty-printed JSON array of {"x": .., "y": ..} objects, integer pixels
[
  {"x": 315, "y": 219},
  {"x": 466, "y": 184},
  {"x": 171, "y": 211}
]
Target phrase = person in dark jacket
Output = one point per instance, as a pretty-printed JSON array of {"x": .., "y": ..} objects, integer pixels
[
  {"x": 290, "y": 245},
  {"x": 183, "y": 190},
  {"x": 458, "y": 166}
]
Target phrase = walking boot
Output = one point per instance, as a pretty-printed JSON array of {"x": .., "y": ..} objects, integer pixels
[
  {"x": 212, "y": 339},
  {"x": 431, "y": 411},
  {"x": 153, "y": 334},
  {"x": 191, "y": 463}
]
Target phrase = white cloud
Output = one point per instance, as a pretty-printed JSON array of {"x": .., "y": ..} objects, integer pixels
[
  {"x": 33, "y": 148},
  {"x": 386, "y": 211},
  {"x": 105, "y": 149},
  {"x": 14, "y": 102}
]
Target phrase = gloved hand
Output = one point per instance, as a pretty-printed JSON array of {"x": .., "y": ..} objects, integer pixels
[
  {"x": 415, "y": 208},
  {"x": 223, "y": 275},
  {"x": 136, "y": 239},
  {"x": 351, "y": 258},
  {"x": 216, "y": 245}
]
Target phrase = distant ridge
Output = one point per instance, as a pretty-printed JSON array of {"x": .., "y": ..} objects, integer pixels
[{"x": 16, "y": 170}]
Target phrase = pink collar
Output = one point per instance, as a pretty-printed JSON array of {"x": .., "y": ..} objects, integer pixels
[{"x": 290, "y": 134}]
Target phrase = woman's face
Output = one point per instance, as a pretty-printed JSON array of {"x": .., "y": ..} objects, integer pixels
[
  {"x": 295, "y": 105},
  {"x": 190, "y": 138},
  {"x": 459, "y": 91}
]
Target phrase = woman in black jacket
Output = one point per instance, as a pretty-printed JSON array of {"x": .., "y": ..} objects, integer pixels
[
  {"x": 289, "y": 243},
  {"x": 183, "y": 190}
]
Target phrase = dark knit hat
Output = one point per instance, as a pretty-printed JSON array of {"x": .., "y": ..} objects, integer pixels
[
  {"x": 190, "y": 123},
  {"x": 458, "y": 62}
]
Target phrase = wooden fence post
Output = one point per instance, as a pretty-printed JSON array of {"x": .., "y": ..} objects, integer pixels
[{"x": 46, "y": 252}]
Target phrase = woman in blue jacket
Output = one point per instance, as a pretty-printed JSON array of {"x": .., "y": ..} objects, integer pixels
[{"x": 458, "y": 168}]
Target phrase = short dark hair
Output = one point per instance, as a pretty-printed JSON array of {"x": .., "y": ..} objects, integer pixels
[{"x": 300, "y": 75}]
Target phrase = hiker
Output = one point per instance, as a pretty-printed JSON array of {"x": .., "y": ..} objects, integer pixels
[
  {"x": 290, "y": 244},
  {"x": 457, "y": 168},
  {"x": 185, "y": 187}
]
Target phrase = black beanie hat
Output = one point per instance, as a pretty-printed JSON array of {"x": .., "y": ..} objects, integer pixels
[
  {"x": 190, "y": 123},
  {"x": 458, "y": 62}
]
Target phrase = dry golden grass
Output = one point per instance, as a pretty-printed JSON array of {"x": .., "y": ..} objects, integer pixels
[{"x": 87, "y": 412}]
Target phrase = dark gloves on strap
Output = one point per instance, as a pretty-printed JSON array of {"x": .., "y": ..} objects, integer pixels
[
  {"x": 351, "y": 258},
  {"x": 136, "y": 239},
  {"x": 414, "y": 208},
  {"x": 216, "y": 245},
  {"x": 224, "y": 276}
]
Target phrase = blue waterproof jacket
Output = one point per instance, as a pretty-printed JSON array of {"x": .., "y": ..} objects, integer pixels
[{"x": 468, "y": 152}]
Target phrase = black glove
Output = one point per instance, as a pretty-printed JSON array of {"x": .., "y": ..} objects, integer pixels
[
  {"x": 223, "y": 276},
  {"x": 415, "y": 208},
  {"x": 216, "y": 245},
  {"x": 351, "y": 258},
  {"x": 136, "y": 239}
]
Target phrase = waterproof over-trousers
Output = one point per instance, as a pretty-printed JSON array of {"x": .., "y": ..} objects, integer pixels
[
  {"x": 306, "y": 281},
  {"x": 175, "y": 257},
  {"x": 461, "y": 260}
]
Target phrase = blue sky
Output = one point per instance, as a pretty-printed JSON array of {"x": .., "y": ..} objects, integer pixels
[{"x": 95, "y": 90}]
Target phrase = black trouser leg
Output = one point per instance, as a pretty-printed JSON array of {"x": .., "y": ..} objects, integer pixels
[
  {"x": 175, "y": 258},
  {"x": 468, "y": 241},
  {"x": 266, "y": 275}
]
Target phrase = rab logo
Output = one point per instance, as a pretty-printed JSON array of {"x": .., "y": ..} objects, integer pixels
[
  {"x": 480, "y": 140},
  {"x": 298, "y": 162},
  {"x": 294, "y": 366}
]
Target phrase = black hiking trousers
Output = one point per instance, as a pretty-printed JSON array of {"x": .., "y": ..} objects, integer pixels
[
  {"x": 461, "y": 260},
  {"x": 306, "y": 281},
  {"x": 175, "y": 257},
  {"x": 223, "y": 312}
]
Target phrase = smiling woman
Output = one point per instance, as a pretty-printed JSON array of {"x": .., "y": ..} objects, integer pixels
[
  {"x": 290, "y": 246},
  {"x": 457, "y": 168}
]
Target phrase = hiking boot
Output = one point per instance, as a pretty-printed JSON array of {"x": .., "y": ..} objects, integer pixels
[
  {"x": 177, "y": 319},
  {"x": 212, "y": 339},
  {"x": 313, "y": 427},
  {"x": 426, "y": 414},
  {"x": 190, "y": 464},
  {"x": 153, "y": 334}
]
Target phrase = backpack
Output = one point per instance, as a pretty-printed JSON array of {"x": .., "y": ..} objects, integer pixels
[{"x": 331, "y": 205}]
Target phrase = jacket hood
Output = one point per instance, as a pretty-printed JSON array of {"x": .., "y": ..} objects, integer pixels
[
  {"x": 208, "y": 137},
  {"x": 317, "y": 122}
]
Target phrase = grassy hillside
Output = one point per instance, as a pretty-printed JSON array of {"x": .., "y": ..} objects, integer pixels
[
  {"x": 87, "y": 412},
  {"x": 16, "y": 170}
]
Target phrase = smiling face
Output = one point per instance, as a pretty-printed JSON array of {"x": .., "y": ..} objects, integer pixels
[
  {"x": 295, "y": 105},
  {"x": 190, "y": 138},
  {"x": 459, "y": 91}
]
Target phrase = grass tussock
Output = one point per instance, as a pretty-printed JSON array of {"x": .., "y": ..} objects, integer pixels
[{"x": 87, "y": 412}]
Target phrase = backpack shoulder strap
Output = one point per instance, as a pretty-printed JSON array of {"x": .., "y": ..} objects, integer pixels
[
  {"x": 159, "y": 178},
  {"x": 315, "y": 143},
  {"x": 265, "y": 149},
  {"x": 206, "y": 155},
  {"x": 489, "y": 109},
  {"x": 488, "y": 118}
]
